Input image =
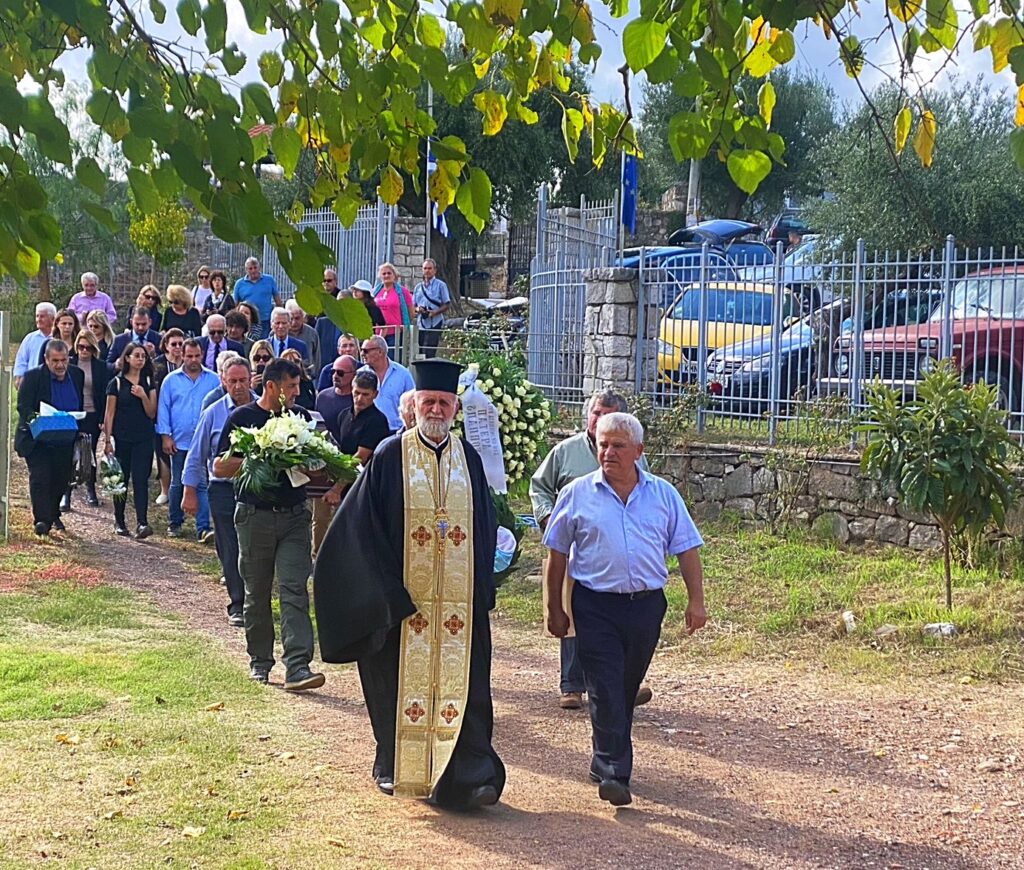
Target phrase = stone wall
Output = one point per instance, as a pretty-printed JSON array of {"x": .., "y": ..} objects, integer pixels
[
  {"x": 828, "y": 493},
  {"x": 410, "y": 241},
  {"x": 654, "y": 227}
]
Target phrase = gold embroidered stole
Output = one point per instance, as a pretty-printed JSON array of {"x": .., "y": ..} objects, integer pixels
[{"x": 433, "y": 668}]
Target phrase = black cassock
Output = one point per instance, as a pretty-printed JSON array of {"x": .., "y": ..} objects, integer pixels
[{"x": 361, "y": 600}]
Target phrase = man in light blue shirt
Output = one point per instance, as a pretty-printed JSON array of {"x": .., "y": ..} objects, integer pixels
[
  {"x": 198, "y": 474},
  {"x": 30, "y": 350},
  {"x": 431, "y": 298},
  {"x": 181, "y": 399},
  {"x": 393, "y": 379},
  {"x": 259, "y": 290},
  {"x": 616, "y": 526}
]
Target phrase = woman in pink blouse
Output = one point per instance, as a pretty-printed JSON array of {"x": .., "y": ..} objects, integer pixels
[{"x": 395, "y": 303}]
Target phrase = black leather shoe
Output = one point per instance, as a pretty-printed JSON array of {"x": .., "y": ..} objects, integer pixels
[
  {"x": 303, "y": 680},
  {"x": 386, "y": 786},
  {"x": 122, "y": 531},
  {"x": 58, "y": 524},
  {"x": 42, "y": 528},
  {"x": 482, "y": 796},
  {"x": 65, "y": 505},
  {"x": 593, "y": 776},
  {"x": 143, "y": 532},
  {"x": 615, "y": 792},
  {"x": 259, "y": 674},
  {"x": 91, "y": 498}
]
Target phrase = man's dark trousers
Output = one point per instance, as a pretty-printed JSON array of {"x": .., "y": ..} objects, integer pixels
[
  {"x": 429, "y": 340},
  {"x": 616, "y": 636},
  {"x": 49, "y": 470},
  {"x": 572, "y": 671},
  {"x": 269, "y": 542},
  {"x": 222, "y": 510}
]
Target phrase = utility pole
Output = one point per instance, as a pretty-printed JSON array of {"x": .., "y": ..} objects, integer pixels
[
  {"x": 693, "y": 194},
  {"x": 428, "y": 211}
]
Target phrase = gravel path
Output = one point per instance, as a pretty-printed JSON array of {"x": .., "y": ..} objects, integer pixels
[{"x": 746, "y": 764}]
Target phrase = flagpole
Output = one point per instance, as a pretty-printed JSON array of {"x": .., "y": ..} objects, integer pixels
[
  {"x": 428, "y": 215},
  {"x": 622, "y": 198}
]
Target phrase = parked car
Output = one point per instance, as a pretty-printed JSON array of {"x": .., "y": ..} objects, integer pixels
[
  {"x": 787, "y": 220},
  {"x": 735, "y": 313},
  {"x": 898, "y": 308},
  {"x": 802, "y": 272},
  {"x": 987, "y": 326},
  {"x": 733, "y": 238},
  {"x": 506, "y": 320},
  {"x": 671, "y": 269},
  {"x": 740, "y": 374}
]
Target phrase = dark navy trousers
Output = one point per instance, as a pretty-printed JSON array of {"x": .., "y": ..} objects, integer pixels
[{"x": 616, "y": 636}]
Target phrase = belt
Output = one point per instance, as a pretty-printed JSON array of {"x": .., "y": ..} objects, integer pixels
[
  {"x": 280, "y": 509},
  {"x": 632, "y": 596}
]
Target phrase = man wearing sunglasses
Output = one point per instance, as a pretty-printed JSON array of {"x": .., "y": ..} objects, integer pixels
[{"x": 216, "y": 341}]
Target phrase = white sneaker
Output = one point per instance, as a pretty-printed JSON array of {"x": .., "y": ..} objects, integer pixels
[{"x": 162, "y": 499}]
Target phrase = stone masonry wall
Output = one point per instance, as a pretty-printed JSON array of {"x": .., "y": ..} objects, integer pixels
[{"x": 828, "y": 493}]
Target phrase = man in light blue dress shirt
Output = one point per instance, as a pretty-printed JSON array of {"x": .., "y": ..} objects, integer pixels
[
  {"x": 393, "y": 379},
  {"x": 198, "y": 475},
  {"x": 616, "y": 526},
  {"x": 180, "y": 404}
]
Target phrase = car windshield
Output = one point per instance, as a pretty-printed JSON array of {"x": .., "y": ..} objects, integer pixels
[
  {"x": 997, "y": 296},
  {"x": 801, "y": 254},
  {"x": 727, "y": 306}
]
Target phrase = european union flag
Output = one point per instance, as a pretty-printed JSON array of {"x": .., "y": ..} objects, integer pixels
[{"x": 630, "y": 183}]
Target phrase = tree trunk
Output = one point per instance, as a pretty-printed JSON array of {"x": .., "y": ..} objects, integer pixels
[
  {"x": 445, "y": 252},
  {"x": 948, "y": 567},
  {"x": 45, "y": 293}
]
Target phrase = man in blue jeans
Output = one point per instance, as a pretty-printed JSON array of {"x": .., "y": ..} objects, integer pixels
[{"x": 181, "y": 402}]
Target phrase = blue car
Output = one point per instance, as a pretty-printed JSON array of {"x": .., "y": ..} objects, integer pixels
[
  {"x": 671, "y": 270},
  {"x": 731, "y": 238}
]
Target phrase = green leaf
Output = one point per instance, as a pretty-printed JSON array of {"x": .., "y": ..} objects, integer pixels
[
  {"x": 310, "y": 300},
  {"x": 391, "y": 185},
  {"x": 783, "y": 48},
  {"x": 189, "y": 14},
  {"x": 271, "y": 68},
  {"x": 642, "y": 41},
  {"x": 89, "y": 174},
  {"x": 430, "y": 31},
  {"x": 233, "y": 59},
  {"x": 146, "y": 196},
  {"x": 474, "y": 198},
  {"x": 215, "y": 22},
  {"x": 52, "y": 136},
  {"x": 572, "y": 127},
  {"x": 258, "y": 95},
  {"x": 158, "y": 10},
  {"x": 1017, "y": 147},
  {"x": 100, "y": 214},
  {"x": 766, "y": 102},
  {"x": 748, "y": 168},
  {"x": 190, "y": 168},
  {"x": 449, "y": 148},
  {"x": 853, "y": 56},
  {"x": 287, "y": 146}
]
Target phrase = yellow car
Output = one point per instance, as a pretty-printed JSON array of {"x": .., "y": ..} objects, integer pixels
[{"x": 736, "y": 312}]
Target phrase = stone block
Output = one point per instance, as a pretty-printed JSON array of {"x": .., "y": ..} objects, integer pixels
[
  {"x": 862, "y": 529},
  {"x": 739, "y": 482},
  {"x": 714, "y": 488},
  {"x": 924, "y": 536},
  {"x": 745, "y": 507},
  {"x": 892, "y": 530},
  {"x": 833, "y": 526},
  {"x": 617, "y": 320},
  {"x": 613, "y": 368},
  {"x": 595, "y": 292},
  {"x": 609, "y": 273},
  {"x": 913, "y": 516},
  {"x": 762, "y": 481},
  {"x": 621, "y": 293},
  {"x": 826, "y": 482},
  {"x": 706, "y": 510},
  {"x": 714, "y": 467}
]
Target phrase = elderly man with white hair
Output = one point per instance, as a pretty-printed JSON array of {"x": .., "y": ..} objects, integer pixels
[
  {"x": 279, "y": 339},
  {"x": 407, "y": 410},
  {"x": 90, "y": 298},
  {"x": 216, "y": 342},
  {"x": 616, "y": 527},
  {"x": 298, "y": 328},
  {"x": 30, "y": 350},
  {"x": 257, "y": 289}
]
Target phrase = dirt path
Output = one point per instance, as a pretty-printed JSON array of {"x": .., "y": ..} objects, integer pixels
[{"x": 737, "y": 765}]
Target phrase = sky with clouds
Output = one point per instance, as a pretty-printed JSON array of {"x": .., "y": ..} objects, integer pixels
[{"x": 814, "y": 53}]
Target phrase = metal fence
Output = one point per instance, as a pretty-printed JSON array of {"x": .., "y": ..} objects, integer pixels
[
  {"x": 359, "y": 249},
  {"x": 784, "y": 344},
  {"x": 569, "y": 241}
]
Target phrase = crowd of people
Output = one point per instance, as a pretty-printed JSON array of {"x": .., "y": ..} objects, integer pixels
[{"x": 402, "y": 560}]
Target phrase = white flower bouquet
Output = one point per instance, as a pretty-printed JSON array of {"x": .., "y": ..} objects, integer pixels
[
  {"x": 287, "y": 443},
  {"x": 110, "y": 477}
]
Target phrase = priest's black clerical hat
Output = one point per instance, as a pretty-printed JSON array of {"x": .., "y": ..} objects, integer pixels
[{"x": 436, "y": 374}]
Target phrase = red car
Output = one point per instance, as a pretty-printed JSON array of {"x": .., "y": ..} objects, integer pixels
[{"x": 986, "y": 312}]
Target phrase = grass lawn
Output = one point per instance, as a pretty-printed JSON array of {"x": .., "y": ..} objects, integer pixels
[
  {"x": 781, "y": 596},
  {"x": 128, "y": 741}
]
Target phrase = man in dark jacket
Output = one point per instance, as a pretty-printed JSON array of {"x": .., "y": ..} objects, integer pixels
[
  {"x": 49, "y": 462},
  {"x": 140, "y": 332}
]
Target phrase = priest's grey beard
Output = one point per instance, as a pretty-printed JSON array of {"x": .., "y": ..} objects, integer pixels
[{"x": 435, "y": 430}]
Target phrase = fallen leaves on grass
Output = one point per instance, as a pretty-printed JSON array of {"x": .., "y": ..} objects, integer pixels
[
  {"x": 215, "y": 707},
  {"x": 68, "y": 739},
  {"x": 990, "y": 765},
  {"x": 285, "y": 756},
  {"x": 237, "y": 815},
  {"x": 192, "y": 832},
  {"x": 113, "y": 814}
]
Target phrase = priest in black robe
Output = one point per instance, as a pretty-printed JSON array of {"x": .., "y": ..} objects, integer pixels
[{"x": 404, "y": 570}]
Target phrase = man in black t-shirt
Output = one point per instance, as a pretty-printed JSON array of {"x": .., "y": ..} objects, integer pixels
[{"x": 273, "y": 529}]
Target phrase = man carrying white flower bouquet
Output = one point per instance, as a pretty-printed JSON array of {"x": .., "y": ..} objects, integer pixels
[{"x": 273, "y": 528}]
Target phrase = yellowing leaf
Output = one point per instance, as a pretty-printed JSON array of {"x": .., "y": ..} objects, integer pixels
[
  {"x": 113, "y": 814},
  {"x": 924, "y": 138},
  {"x": 481, "y": 67},
  {"x": 902, "y": 128},
  {"x": 237, "y": 815},
  {"x": 441, "y": 186},
  {"x": 503, "y": 13},
  {"x": 572, "y": 127},
  {"x": 766, "y": 102},
  {"x": 493, "y": 107},
  {"x": 904, "y": 10},
  {"x": 213, "y": 708},
  {"x": 1018, "y": 115},
  {"x": 391, "y": 185},
  {"x": 68, "y": 739}
]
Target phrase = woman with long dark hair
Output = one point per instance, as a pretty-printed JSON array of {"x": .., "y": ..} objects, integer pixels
[
  {"x": 97, "y": 376},
  {"x": 66, "y": 328},
  {"x": 131, "y": 410},
  {"x": 220, "y": 300}
]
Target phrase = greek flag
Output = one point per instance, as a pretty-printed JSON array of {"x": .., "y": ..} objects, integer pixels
[{"x": 438, "y": 221}]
